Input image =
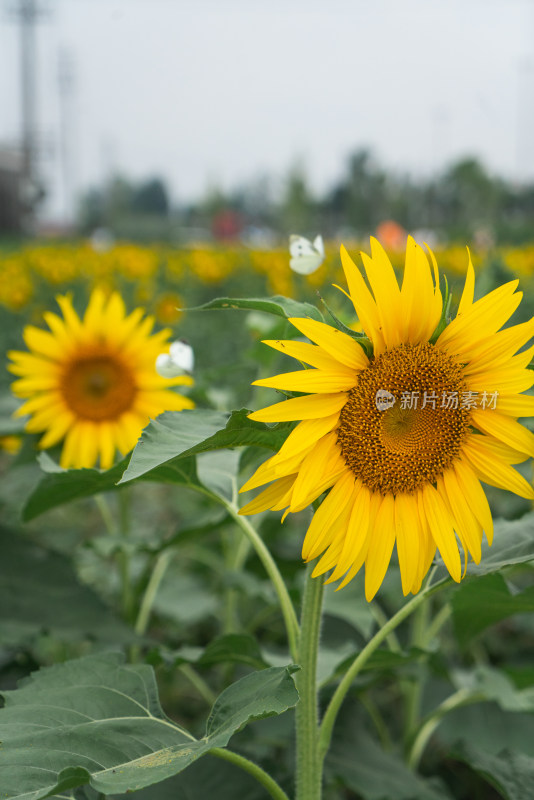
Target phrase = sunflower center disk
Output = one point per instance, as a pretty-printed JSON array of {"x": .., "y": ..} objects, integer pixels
[
  {"x": 98, "y": 387},
  {"x": 405, "y": 421}
]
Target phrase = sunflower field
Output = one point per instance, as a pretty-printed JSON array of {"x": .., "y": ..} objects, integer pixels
[{"x": 262, "y": 537}]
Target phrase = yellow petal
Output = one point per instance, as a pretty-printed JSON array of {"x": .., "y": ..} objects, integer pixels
[
  {"x": 319, "y": 534},
  {"x": 505, "y": 429},
  {"x": 269, "y": 497},
  {"x": 375, "y": 503},
  {"x": 516, "y": 405},
  {"x": 417, "y": 294},
  {"x": 309, "y": 354},
  {"x": 385, "y": 288},
  {"x": 466, "y": 521},
  {"x": 309, "y": 380},
  {"x": 42, "y": 342},
  {"x": 306, "y": 433},
  {"x": 310, "y": 407},
  {"x": 380, "y": 546},
  {"x": 408, "y": 534},
  {"x": 318, "y": 471},
  {"x": 468, "y": 293},
  {"x": 363, "y": 302},
  {"x": 481, "y": 320},
  {"x": 478, "y": 502},
  {"x": 441, "y": 528},
  {"x": 339, "y": 345},
  {"x": 497, "y": 350},
  {"x": 356, "y": 536},
  {"x": 493, "y": 471}
]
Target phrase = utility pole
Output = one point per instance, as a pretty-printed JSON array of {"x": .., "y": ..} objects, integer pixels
[
  {"x": 27, "y": 13},
  {"x": 66, "y": 96}
]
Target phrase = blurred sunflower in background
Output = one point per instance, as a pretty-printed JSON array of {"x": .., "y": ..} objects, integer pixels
[
  {"x": 402, "y": 424},
  {"x": 92, "y": 381}
]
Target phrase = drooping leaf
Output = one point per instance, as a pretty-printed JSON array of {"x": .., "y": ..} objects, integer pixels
[
  {"x": 277, "y": 305},
  {"x": 511, "y": 773},
  {"x": 98, "y": 722},
  {"x": 177, "y": 434},
  {"x": 480, "y": 602},
  {"x": 39, "y": 593}
]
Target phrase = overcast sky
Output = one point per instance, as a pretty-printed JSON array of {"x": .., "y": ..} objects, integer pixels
[{"x": 221, "y": 91}]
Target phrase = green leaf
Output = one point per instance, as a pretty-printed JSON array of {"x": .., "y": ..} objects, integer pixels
[
  {"x": 9, "y": 425},
  {"x": 183, "y": 597},
  {"x": 164, "y": 454},
  {"x": 277, "y": 305},
  {"x": 492, "y": 684},
  {"x": 177, "y": 434},
  {"x": 512, "y": 774},
  {"x": 63, "y": 486},
  {"x": 513, "y": 543},
  {"x": 97, "y": 721},
  {"x": 480, "y": 602},
  {"x": 218, "y": 471},
  {"x": 261, "y": 694},
  {"x": 39, "y": 593},
  {"x": 351, "y": 606},
  {"x": 238, "y": 648},
  {"x": 375, "y": 775},
  {"x": 489, "y": 726}
]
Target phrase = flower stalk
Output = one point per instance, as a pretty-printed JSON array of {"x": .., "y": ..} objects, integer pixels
[{"x": 309, "y": 770}]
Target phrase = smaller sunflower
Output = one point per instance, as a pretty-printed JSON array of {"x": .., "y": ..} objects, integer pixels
[{"x": 92, "y": 382}]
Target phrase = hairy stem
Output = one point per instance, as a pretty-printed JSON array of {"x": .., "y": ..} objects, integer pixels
[{"x": 309, "y": 765}]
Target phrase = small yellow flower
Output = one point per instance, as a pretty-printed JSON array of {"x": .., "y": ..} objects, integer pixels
[
  {"x": 401, "y": 428},
  {"x": 92, "y": 382}
]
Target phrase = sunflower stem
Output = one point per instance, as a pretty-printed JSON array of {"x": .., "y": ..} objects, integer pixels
[
  {"x": 269, "y": 564},
  {"x": 309, "y": 766},
  {"x": 378, "y": 721},
  {"x": 462, "y": 697},
  {"x": 275, "y": 791},
  {"x": 415, "y": 686},
  {"x": 199, "y": 683},
  {"x": 437, "y": 624},
  {"x": 124, "y": 556},
  {"x": 158, "y": 572},
  {"x": 361, "y": 659}
]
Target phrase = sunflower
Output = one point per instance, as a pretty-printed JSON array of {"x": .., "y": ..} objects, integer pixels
[
  {"x": 402, "y": 424},
  {"x": 92, "y": 381}
]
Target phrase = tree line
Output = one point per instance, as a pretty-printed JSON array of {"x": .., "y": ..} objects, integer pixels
[{"x": 463, "y": 202}]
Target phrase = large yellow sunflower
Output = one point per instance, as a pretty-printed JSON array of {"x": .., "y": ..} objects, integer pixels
[
  {"x": 401, "y": 425},
  {"x": 92, "y": 381}
]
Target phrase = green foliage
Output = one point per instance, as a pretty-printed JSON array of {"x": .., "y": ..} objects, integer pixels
[
  {"x": 97, "y": 721},
  {"x": 278, "y": 305},
  {"x": 126, "y": 559},
  {"x": 32, "y": 574}
]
